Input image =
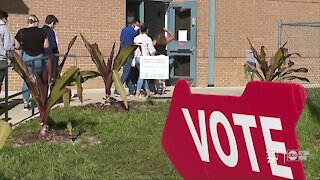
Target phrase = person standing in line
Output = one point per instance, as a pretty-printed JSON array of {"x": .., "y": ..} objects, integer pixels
[
  {"x": 146, "y": 49},
  {"x": 51, "y": 22},
  {"x": 31, "y": 41},
  {"x": 6, "y": 43},
  {"x": 126, "y": 39},
  {"x": 160, "y": 43}
]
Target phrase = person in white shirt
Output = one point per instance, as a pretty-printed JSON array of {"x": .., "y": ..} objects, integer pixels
[{"x": 145, "y": 48}]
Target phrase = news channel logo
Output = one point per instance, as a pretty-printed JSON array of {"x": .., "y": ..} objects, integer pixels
[{"x": 293, "y": 155}]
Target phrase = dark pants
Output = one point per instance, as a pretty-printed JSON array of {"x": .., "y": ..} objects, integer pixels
[
  {"x": 3, "y": 63},
  {"x": 127, "y": 75}
]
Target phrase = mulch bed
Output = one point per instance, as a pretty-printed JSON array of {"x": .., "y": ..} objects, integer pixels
[
  {"x": 53, "y": 136},
  {"x": 58, "y": 136}
]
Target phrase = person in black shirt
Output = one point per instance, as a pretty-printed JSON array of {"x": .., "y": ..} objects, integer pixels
[
  {"x": 160, "y": 43},
  {"x": 31, "y": 41}
]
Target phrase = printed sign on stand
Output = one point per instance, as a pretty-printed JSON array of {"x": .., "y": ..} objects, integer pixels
[
  {"x": 154, "y": 67},
  {"x": 226, "y": 137}
]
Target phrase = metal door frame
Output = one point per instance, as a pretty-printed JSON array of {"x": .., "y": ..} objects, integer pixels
[{"x": 189, "y": 49}]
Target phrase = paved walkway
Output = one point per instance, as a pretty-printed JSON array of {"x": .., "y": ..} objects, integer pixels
[{"x": 18, "y": 115}]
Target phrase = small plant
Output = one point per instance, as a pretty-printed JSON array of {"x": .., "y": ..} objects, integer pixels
[
  {"x": 40, "y": 84},
  {"x": 5, "y": 128},
  {"x": 110, "y": 70},
  {"x": 279, "y": 68}
]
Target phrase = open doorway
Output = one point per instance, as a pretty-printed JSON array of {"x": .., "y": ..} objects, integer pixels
[
  {"x": 152, "y": 13},
  {"x": 132, "y": 10},
  {"x": 178, "y": 17}
]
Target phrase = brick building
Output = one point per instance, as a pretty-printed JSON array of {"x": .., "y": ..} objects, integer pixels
[{"x": 211, "y": 34}]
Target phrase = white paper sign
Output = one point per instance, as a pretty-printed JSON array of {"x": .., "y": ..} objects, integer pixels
[
  {"x": 251, "y": 60},
  {"x": 250, "y": 56},
  {"x": 183, "y": 35},
  {"x": 154, "y": 67}
]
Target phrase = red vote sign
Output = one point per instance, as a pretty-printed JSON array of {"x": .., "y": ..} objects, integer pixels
[{"x": 226, "y": 137}]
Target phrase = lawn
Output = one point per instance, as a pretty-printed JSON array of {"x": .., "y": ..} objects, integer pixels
[{"x": 123, "y": 145}]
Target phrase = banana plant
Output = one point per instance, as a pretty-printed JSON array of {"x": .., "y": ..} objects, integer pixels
[
  {"x": 40, "y": 84},
  {"x": 110, "y": 70},
  {"x": 279, "y": 68}
]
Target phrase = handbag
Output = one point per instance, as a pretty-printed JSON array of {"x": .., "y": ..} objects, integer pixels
[{"x": 133, "y": 62}]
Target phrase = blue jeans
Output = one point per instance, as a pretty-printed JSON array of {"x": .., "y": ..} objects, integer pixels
[
  {"x": 127, "y": 74},
  {"x": 141, "y": 82},
  {"x": 38, "y": 67}
]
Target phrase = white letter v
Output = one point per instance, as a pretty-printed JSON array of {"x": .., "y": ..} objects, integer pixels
[{"x": 202, "y": 148}]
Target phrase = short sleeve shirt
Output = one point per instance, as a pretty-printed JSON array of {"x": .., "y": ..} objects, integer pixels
[{"x": 31, "y": 40}]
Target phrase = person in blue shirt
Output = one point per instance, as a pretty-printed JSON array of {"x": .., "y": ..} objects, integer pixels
[
  {"x": 126, "y": 38},
  {"x": 51, "y": 22}
]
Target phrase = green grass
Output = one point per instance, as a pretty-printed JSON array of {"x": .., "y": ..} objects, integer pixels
[
  {"x": 308, "y": 131},
  {"x": 130, "y": 146}
]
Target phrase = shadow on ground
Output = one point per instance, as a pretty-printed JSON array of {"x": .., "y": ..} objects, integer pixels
[{"x": 11, "y": 104}]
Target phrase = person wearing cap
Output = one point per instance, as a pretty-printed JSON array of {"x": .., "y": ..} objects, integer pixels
[
  {"x": 31, "y": 41},
  {"x": 6, "y": 43}
]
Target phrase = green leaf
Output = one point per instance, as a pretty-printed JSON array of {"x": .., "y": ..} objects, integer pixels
[
  {"x": 255, "y": 71},
  {"x": 299, "y": 70},
  {"x": 88, "y": 75},
  {"x": 295, "y": 77},
  {"x": 278, "y": 61},
  {"x": 122, "y": 56},
  {"x": 59, "y": 88},
  {"x": 245, "y": 71},
  {"x": 85, "y": 75},
  {"x": 261, "y": 60},
  {"x": 5, "y": 131},
  {"x": 97, "y": 58},
  {"x": 69, "y": 127},
  {"x": 119, "y": 87},
  {"x": 21, "y": 68},
  {"x": 66, "y": 101},
  {"x": 66, "y": 98},
  {"x": 65, "y": 79},
  {"x": 66, "y": 55},
  {"x": 79, "y": 86},
  {"x": 109, "y": 64},
  {"x": 55, "y": 98}
]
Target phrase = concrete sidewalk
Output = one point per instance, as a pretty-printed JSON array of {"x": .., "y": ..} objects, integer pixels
[{"x": 18, "y": 115}]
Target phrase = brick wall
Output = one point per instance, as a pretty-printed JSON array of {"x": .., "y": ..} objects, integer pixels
[
  {"x": 258, "y": 20},
  {"x": 235, "y": 20},
  {"x": 99, "y": 21},
  {"x": 202, "y": 42}
]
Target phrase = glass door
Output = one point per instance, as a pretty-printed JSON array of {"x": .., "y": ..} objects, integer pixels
[{"x": 182, "y": 51}]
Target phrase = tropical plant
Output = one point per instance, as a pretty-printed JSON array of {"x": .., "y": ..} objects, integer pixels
[
  {"x": 40, "y": 83},
  {"x": 5, "y": 128},
  {"x": 279, "y": 68},
  {"x": 110, "y": 70}
]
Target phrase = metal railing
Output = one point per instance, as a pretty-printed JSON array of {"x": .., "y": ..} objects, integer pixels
[{"x": 6, "y": 84}]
